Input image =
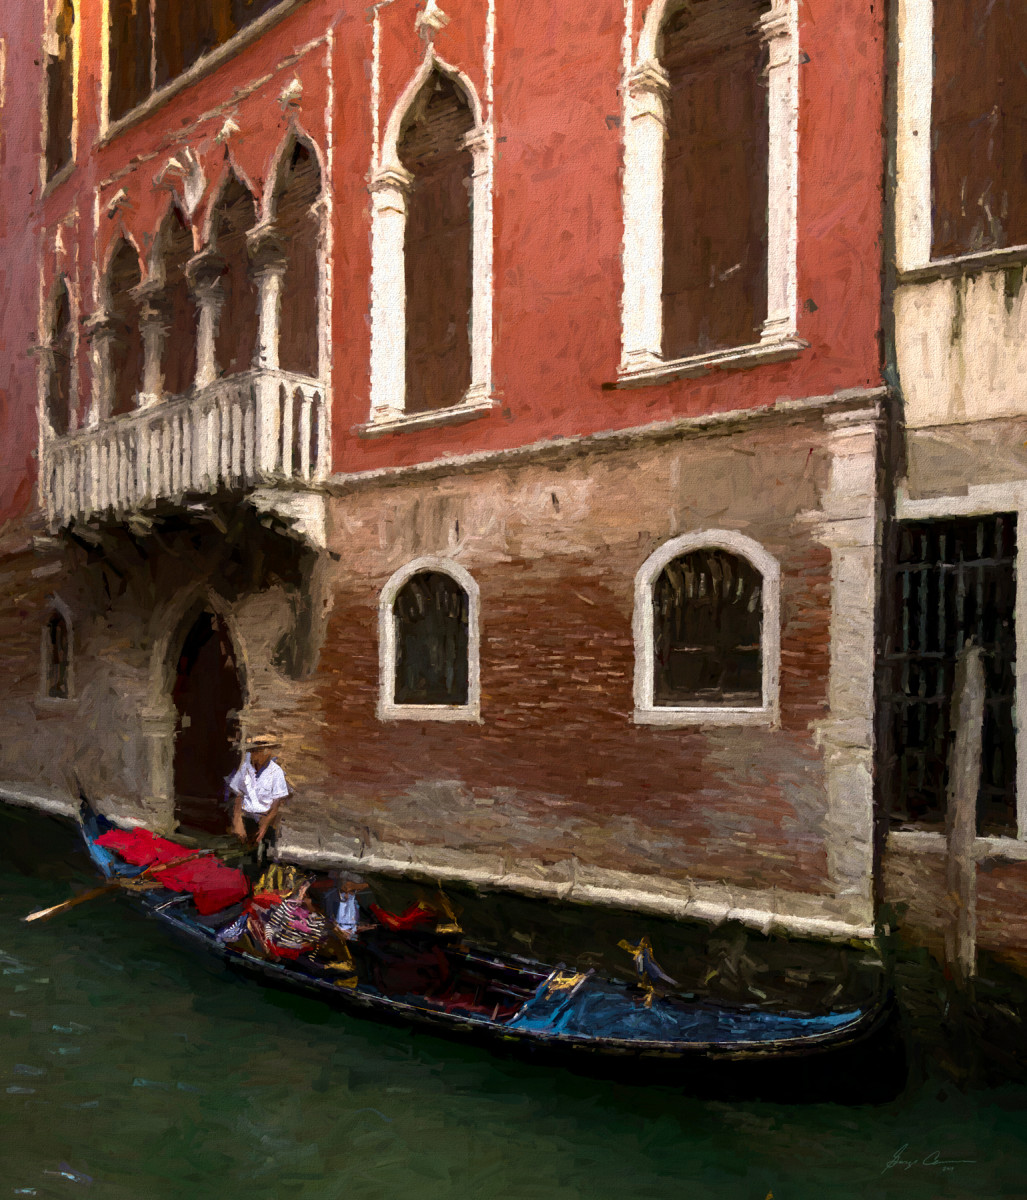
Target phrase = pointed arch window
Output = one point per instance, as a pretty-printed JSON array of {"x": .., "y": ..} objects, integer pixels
[
  {"x": 178, "y": 348},
  {"x": 56, "y": 676},
  {"x": 297, "y": 225},
  {"x": 710, "y": 171},
  {"x": 58, "y": 391},
  {"x": 431, "y": 316},
  {"x": 428, "y": 643},
  {"x": 60, "y": 87},
  {"x": 707, "y": 632},
  {"x": 125, "y": 340},
  {"x": 233, "y": 219}
]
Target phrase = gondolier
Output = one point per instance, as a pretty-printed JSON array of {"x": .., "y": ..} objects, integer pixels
[{"x": 258, "y": 788}]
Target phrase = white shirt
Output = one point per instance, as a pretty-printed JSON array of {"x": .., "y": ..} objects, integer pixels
[
  {"x": 347, "y": 915},
  {"x": 259, "y": 792}
]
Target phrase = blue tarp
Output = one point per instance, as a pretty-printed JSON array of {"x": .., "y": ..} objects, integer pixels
[{"x": 601, "y": 1010}]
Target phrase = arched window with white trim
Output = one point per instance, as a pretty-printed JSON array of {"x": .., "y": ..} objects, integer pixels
[
  {"x": 428, "y": 643},
  {"x": 707, "y": 636},
  {"x": 431, "y": 253},
  {"x": 710, "y": 180}
]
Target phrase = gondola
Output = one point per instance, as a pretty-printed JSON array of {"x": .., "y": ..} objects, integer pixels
[{"x": 436, "y": 981}]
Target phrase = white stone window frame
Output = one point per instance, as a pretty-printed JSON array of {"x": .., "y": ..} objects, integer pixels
[
  {"x": 645, "y": 86},
  {"x": 766, "y": 713},
  {"x": 914, "y": 225},
  {"x": 55, "y": 607},
  {"x": 389, "y": 186},
  {"x": 388, "y": 709}
]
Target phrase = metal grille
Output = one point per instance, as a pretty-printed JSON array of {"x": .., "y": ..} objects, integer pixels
[{"x": 953, "y": 582}]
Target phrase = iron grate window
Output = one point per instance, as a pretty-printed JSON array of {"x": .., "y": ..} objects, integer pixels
[{"x": 953, "y": 582}]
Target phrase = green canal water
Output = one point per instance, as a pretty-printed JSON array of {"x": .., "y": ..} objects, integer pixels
[{"x": 133, "y": 1071}]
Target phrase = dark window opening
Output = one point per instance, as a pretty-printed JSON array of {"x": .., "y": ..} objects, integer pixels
[
  {"x": 431, "y": 623},
  {"x": 130, "y": 39},
  {"x": 979, "y": 126},
  {"x": 178, "y": 364},
  {"x": 715, "y": 178},
  {"x": 145, "y": 54},
  {"x": 299, "y": 229},
  {"x": 126, "y": 345},
  {"x": 58, "y": 658},
  {"x": 58, "y": 389},
  {"x": 438, "y": 246},
  {"x": 707, "y": 631},
  {"x": 60, "y": 90},
  {"x": 236, "y": 342},
  {"x": 953, "y": 582}
]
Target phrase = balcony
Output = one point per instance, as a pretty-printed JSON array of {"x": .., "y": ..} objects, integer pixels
[{"x": 258, "y": 429}]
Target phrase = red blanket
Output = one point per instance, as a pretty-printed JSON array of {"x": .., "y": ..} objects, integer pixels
[{"x": 213, "y": 885}]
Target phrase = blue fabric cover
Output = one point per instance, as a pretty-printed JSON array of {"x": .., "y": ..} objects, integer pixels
[{"x": 601, "y": 1010}]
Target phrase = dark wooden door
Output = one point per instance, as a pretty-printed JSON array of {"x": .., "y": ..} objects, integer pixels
[{"x": 208, "y": 697}]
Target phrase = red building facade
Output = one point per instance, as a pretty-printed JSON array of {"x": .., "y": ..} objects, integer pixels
[{"x": 485, "y": 400}]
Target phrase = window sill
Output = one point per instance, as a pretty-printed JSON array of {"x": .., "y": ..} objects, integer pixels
[
  {"x": 661, "y": 371},
  {"x": 923, "y": 841},
  {"x": 55, "y": 181},
  {"x": 964, "y": 264},
  {"x": 429, "y": 712},
  {"x": 466, "y": 411},
  {"x": 203, "y": 66},
  {"x": 680, "y": 718},
  {"x": 54, "y": 705}
]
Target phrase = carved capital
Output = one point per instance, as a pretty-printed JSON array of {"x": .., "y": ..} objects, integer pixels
[
  {"x": 203, "y": 272},
  {"x": 649, "y": 78},
  {"x": 267, "y": 253},
  {"x": 151, "y": 302},
  {"x": 392, "y": 177},
  {"x": 99, "y": 327}
]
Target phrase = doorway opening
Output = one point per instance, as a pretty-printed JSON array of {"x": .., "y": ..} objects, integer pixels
[{"x": 208, "y": 696}]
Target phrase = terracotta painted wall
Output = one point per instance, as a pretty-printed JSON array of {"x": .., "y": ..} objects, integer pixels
[{"x": 558, "y": 227}]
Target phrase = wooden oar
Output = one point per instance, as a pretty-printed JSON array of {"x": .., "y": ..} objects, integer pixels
[{"x": 128, "y": 881}]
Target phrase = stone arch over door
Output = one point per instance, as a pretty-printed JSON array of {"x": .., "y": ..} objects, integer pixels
[{"x": 197, "y": 695}]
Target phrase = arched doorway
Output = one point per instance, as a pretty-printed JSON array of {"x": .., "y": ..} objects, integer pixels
[{"x": 208, "y": 696}]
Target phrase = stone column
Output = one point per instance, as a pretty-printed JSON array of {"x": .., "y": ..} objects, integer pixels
[
  {"x": 779, "y": 29},
  {"x": 388, "y": 292},
  {"x": 153, "y": 325},
  {"x": 645, "y": 133},
  {"x": 850, "y": 525},
  {"x": 269, "y": 263},
  {"x": 204, "y": 273},
  {"x": 479, "y": 142},
  {"x": 100, "y": 330}
]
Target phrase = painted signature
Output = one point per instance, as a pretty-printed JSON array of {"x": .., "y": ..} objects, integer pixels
[{"x": 933, "y": 1159}]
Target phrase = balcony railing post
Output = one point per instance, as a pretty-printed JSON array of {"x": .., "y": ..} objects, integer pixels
[{"x": 268, "y": 423}]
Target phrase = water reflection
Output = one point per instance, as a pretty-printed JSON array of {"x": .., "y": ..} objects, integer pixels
[{"x": 132, "y": 1070}]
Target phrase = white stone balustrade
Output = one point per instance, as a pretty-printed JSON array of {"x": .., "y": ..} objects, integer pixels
[{"x": 254, "y": 429}]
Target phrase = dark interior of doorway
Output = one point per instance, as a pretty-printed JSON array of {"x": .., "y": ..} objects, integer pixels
[{"x": 208, "y": 697}]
